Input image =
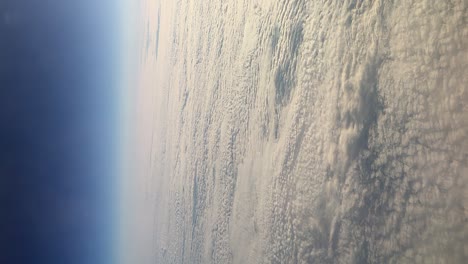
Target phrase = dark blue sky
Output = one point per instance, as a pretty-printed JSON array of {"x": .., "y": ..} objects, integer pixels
[{"x": 58, "y": 131}]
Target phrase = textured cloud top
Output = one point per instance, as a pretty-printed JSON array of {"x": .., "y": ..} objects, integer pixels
[{"x": 304, "y": 132}]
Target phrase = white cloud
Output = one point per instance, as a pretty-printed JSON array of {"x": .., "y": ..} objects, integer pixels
[{"x": 303, "y": 131}]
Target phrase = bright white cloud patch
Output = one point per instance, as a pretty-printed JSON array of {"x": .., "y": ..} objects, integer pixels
[{"x": 303, "y": 132}]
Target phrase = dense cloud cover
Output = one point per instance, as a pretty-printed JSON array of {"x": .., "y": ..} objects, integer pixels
[{"x": 304, "y": 132}]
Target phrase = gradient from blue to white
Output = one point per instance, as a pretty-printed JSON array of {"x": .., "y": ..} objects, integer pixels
[{"x": 61, "y": 82}]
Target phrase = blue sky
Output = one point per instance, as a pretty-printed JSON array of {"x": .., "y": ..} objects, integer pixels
[{"x": 60, "y": 79}]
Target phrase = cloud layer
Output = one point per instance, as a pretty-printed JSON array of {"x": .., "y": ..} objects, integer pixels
[{"x": 307, "y": 132}]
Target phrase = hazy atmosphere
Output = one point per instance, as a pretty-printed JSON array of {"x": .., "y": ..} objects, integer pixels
[{"x": 234, "y": 131}]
